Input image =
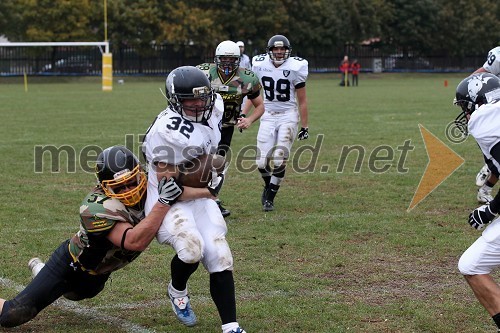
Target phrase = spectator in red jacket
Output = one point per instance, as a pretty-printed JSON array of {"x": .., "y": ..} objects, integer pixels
[
  {"x": 344, "y": 70},
  {"x": 355, "y": 67}
]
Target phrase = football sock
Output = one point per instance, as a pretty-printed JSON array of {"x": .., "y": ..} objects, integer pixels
[
  {"x": 273, "y": 190},
  {"x": 223, "y": 295},
  {"x": 181, "y": 272},
  {"x": 227, "y": 328},
  {"x": 266, "y": 176}
]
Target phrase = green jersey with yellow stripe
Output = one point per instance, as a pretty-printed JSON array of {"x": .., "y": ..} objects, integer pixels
[{"x": 90, "y": 247}]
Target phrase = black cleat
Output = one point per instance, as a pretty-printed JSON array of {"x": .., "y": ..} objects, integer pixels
[
  {"x": 225, "y": 212},
  {"x": 268, "y": 206}
]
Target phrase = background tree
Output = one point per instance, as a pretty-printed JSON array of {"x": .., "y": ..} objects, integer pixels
[
  {"x": 467, "y": 26},
  {"x": 410, "y": 25}
]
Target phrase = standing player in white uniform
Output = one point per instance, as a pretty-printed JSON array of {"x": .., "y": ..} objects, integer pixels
[
  {"x": 488, "y": 175},
  {"x": 283, "y": 79},
  {"x": 245, "y": 60},
  {"x": 478, "y": 96},
  {"x": 195, "y": 228}
]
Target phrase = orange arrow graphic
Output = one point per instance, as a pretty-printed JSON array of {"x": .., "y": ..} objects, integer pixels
[{"x": 442, "y": 163}]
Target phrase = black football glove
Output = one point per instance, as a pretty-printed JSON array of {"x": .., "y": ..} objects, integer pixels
[
  {"x": 169, "y": 191},
  {"x": 217, "y": 180},
  {"x": 303, "y": 133},
  {"x": 481, "y": 216},
  {"x": 242, "y": 115}
]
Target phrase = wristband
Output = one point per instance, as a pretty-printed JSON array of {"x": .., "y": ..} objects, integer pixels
[
  {"x": 494, "y": 206},
  {"x": 122, "y": 245}
]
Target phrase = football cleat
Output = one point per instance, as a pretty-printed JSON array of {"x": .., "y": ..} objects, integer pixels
[
  {"x": 238, "y": 330},
  {"x": 35, "y": 265},
  {"x": 268, "y": 206},
  {"x": 225, "y": 212},
  {"x": 182, "y": 309},
  {"x": 483, "y": 175},
  {"x": 484, "y": 195}
]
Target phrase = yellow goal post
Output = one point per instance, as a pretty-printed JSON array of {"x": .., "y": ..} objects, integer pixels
[{"x": 107, "y": 58}]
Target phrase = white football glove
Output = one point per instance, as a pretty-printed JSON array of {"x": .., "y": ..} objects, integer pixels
[
  {"x": 481, "y": 216},
  {"x": 217, "y": 180},
  {"x": 169, "y": 191}
]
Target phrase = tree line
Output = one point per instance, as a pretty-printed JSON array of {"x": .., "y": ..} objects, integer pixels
[{"x": 452, "y": 28}]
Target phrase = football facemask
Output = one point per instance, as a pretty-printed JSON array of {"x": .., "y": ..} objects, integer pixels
[{"x": 128, "y": 186}]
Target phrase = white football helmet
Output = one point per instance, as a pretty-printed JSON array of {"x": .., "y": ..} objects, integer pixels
[{"x": 227, "y": 57}]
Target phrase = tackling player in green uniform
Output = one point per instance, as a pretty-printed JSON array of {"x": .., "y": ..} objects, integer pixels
[
  {"x": 233, "y": 83},
  {"x": 113, "y": 232}
]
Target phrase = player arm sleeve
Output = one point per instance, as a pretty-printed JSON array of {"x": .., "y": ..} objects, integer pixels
[
  {"x": 300, "y": 85},
  {"x": 495, "y": 203}
]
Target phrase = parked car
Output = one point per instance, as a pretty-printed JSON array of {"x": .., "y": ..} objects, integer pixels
[{"x": 77, "y": 64}]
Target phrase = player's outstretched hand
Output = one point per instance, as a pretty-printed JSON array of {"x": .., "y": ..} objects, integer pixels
[
  {"x": 303, "y": 133},
  {"x": 169, "y": 191},
  {"x": 481, "y": 216}
]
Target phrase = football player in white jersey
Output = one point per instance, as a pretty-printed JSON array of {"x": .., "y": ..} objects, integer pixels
[
  {"x": 487, "y": 177},
  {"x": 479, "y": 98},
  {"x": 195, "y": 227},
  {"x": 283, "y": 79},
  {"x": 245, "y": 60}
]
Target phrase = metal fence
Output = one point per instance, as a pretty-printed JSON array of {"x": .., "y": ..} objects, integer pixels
[{"x": 161, "y": 59}]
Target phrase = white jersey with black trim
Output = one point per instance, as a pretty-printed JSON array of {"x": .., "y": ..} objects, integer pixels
[
  {"x": 484, "y": 126},
  {"x": 279, "y": 82},
  {"x": 492, "y": 64},
  {"x": 173, "y": 139},
  {"x": 245, "y": 62}
]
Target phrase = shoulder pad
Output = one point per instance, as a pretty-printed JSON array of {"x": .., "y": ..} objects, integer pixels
[
  {"x": 205, "y": 67},
  {"x": 166, "y": 143},
  {"x": 99, "y": 212},
  {"x": 298, "y": 64}
]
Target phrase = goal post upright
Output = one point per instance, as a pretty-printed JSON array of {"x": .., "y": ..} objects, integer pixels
[{"x": 107, "y": 58}]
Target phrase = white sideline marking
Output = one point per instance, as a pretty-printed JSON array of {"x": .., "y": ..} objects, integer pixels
[{"x": 84, "y": 310}]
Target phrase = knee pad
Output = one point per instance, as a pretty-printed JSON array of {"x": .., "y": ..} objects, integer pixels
[
  {"x": 15, "y": 313},
  {"x": 279, "y": 157},
  {"x": 218, "y": 258},
  {"x": 464, "y": 267},
  {"x": 192, "y": 250},
  {"x": 261, "y": 162}
]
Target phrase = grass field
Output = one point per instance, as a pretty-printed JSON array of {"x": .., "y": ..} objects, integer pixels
[{"x": 340, "y": 253}]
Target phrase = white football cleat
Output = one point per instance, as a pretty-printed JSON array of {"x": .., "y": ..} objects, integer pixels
[
  {"x": 483, "y": 175},
  {"x": 35, "y": 265},
  {"x": 484, "y": 194}
]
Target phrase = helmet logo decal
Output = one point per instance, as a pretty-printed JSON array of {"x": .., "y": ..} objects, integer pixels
[
  {"x": 475, "y": 85},
  {"x": 121, "y": 173},
  {"x": 200, "y": 91}
]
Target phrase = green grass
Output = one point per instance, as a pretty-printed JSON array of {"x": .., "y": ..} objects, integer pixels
[{"x": 339, "y": 254}]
